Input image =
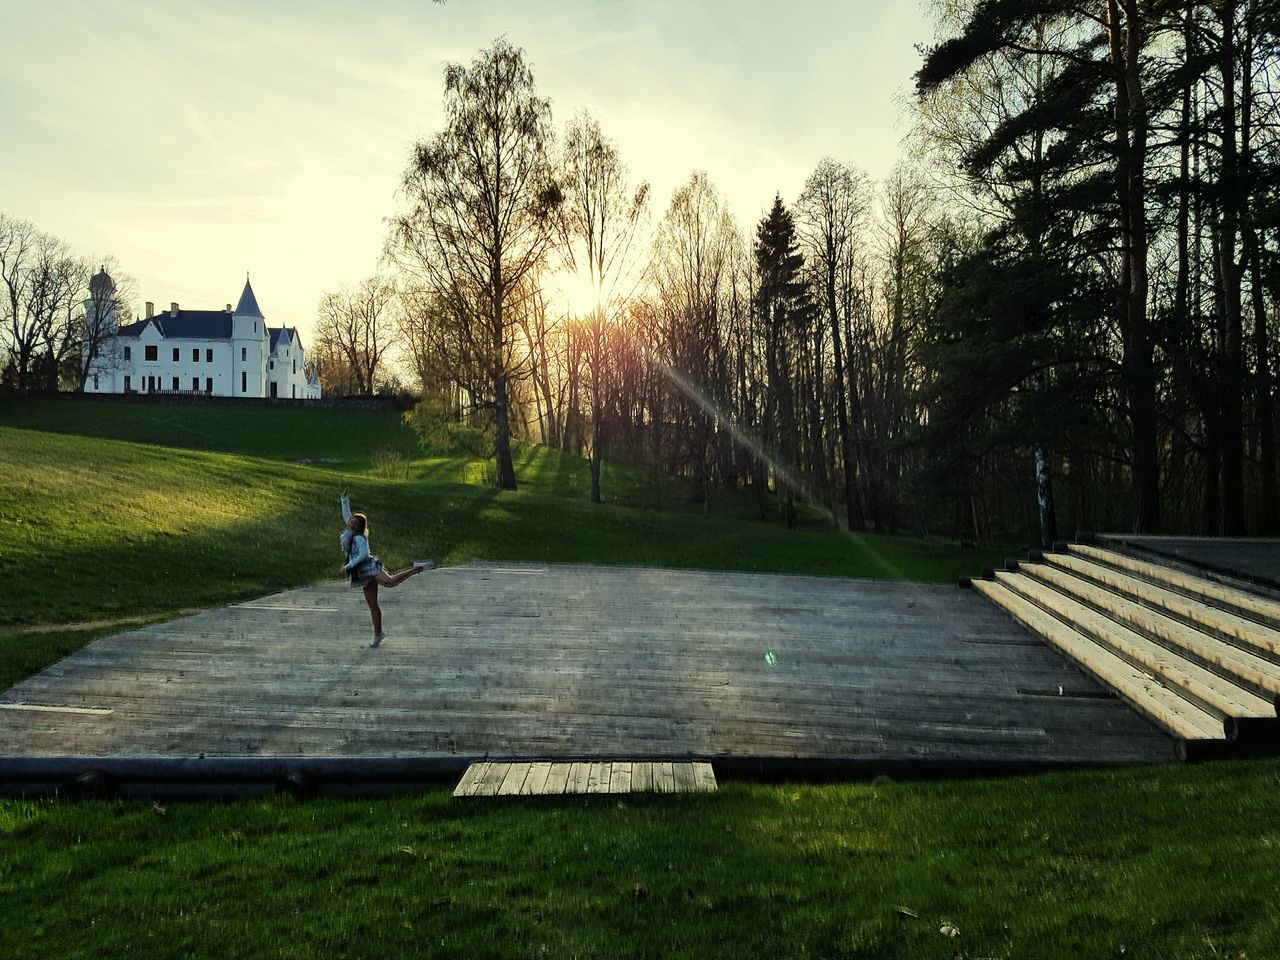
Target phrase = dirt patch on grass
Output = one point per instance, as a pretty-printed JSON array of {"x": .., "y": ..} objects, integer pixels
[{"x": 97, "y": 624}]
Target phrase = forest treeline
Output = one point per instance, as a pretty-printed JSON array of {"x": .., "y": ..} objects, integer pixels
[{"x": 1052, "y": 315}]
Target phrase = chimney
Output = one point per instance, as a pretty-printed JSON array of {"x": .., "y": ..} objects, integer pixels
[
  {"x": 173, "y": 308},
  {"x": 151, "y": 308}
]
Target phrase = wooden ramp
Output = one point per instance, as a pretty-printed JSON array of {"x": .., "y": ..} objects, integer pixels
[
  {"x": 550, "y": 778},
  {"x": 1199, "y": 658}
]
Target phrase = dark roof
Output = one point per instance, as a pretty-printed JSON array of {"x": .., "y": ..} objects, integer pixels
[
  {"x": 294, "y": 339},
  {"x": 248, "y": 306},
  {"x": 187, "y": 325},
  {"x": 101, "y": 281}
]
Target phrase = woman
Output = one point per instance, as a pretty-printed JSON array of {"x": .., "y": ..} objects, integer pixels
[{"x": 365, "y": 569}]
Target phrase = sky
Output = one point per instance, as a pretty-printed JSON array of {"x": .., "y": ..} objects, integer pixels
[{"x": 197, "y": 142}]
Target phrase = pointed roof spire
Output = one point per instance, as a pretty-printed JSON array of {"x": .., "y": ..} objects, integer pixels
[{"x": 248, "y": 305}]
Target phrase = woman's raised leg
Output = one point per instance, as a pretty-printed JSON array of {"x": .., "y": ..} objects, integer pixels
[{"x": 395, "y": 579}]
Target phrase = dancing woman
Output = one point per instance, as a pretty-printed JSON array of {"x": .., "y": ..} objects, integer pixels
[{"x": 365, "y": 569}]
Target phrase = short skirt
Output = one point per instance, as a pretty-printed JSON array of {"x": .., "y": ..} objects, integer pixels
[{"x": 367, "y": 569}]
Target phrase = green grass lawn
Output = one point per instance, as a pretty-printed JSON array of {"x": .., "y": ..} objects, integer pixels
[
  {"x": 1166, "y": 862},
  {"x": 135, "y": 511}
]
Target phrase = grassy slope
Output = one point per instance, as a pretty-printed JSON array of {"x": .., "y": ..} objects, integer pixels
[
  {"x": 1162, "y": 862},
  {"x": 98, "y": 527}
]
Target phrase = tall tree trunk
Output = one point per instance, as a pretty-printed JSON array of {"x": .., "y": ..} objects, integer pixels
[
  {"x": 1268, "y": 516},
  {"x": 551, "y": 427},
  {"x": 1139, "y": 368},
  {"x": 817, "y": 401},
  {"x": 1183, "y": 276},
  {"x": 854, "y": 518},
  {"x": 857, "y": 471},
  {"x": 1211, "y": 507},
  {"x": 596, "y": 411},
  {"x": 504, "y": 469},
  {"x": 1267, "y": 510},
  {"x": 1232, "y": 385},
  {"x": 1044, "y": 500}
]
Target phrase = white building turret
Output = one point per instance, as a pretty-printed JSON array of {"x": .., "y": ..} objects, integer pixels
[
  {"x": 249, "y": 340},
  {"x": 98, "y": 345},
  {"x": 100, "y": 308}
]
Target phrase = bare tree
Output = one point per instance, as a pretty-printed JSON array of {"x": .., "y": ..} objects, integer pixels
[
  {"x": 432, "y": 331},
  {"x": 598, "y": 222},
  {"x": 905, "y": 207},
  {"x": 693, "y": 250},
  {"x": 831, "y": 208},
  {"x": 481, "y": 203},
  {"x": 19, "y": 329},
  {"x": 354, "y": 328},
  {"x": 541, "y": 327},
  {"x": 53, "y": 305}
]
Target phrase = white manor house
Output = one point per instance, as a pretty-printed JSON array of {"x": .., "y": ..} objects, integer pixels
[{"x": 225, "y": 353}]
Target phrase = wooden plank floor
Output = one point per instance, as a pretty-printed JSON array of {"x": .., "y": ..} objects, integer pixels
[
  {"x": 548, "y": 778},
  {"x": 518, "y": 660}
]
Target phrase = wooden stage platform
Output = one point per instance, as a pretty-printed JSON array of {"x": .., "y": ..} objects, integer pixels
[{"x": 756, "y": 673}]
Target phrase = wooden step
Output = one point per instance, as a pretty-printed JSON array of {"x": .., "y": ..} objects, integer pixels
[
  {"x": 1207, "y": 690},
  {"x": 550, "y": 777},
  {"x": 1240, "y": 666},
  {"x": 1242, "y": 603},
  {"x": 1139, "y": 689}
]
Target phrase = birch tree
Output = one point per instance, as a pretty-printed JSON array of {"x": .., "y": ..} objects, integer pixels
[{"x": 481, "y": 201}]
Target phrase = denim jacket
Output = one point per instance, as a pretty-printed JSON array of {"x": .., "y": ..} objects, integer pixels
[{"x": 358, "y": 551}]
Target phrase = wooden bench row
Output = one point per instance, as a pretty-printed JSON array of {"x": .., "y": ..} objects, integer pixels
[{"x": 1198, "y": 658}]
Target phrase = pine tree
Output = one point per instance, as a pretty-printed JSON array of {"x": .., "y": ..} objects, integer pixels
[{"x": 783, "y": 301}]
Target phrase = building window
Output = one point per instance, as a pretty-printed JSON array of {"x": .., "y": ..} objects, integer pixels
[
  {"x": 255, "y": 326},
  {"x": 176, "y": 388},
  {"x": 175, "y": 354},
  {"x": 195, "y": 354},
  {"x": 128, "y": 353},
  {"x": 244, "y": 381},
  {"x": 195, "y": 384},
  {"x": 151, "y": 353},
  {"x": 95, "y": 381},
  {"x": 128, "y": 381},
  {"x": 272, "y": 364},
  {"x": 208, "y": 385},
  {"x": 208, "y": 356},
  {"x": 295, "y": 364},
  {"x": 293, "y": 390},
  {"x": 244, "y": 353}
]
